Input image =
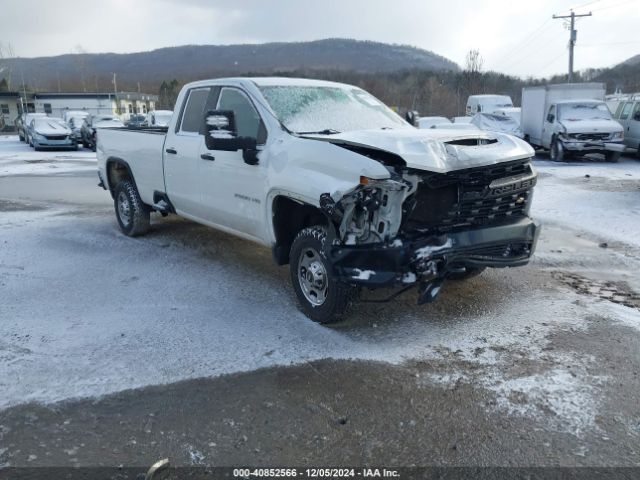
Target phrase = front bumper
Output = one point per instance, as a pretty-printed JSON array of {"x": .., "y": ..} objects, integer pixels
[
  {"x": 429, "y": 258},
  {"x": 593, "y": 146}
]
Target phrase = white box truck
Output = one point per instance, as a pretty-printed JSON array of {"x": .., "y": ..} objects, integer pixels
[{"x": 570, "y": 119}]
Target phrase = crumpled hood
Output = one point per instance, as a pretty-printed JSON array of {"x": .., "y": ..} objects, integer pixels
[
  {"x": 591, "y": 126},
  {"x": 432, "y": 150}
]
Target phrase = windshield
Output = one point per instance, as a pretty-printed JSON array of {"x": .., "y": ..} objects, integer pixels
[
  {"x": 329, "y": 109},
  {"x": 584, "y": 111}
]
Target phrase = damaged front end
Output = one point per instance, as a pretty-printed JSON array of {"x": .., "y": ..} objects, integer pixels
[{"x": 418, "y": 227}]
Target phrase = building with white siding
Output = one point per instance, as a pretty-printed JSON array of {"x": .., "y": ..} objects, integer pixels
[{"x": 121, "y": 104}]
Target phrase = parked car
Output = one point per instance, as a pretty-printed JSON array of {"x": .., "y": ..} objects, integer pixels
[
  {"x": 69, "y": 114},
  {"x": 628, "y": 115},
  {"x": 492, "y": 122},
  {"x": 159, "y": 118},
  {"x": 514, "y": 113},
  {"x": 430, "y": 122},
  {"x": 75, "y": 125},
  {"x": 487, "y": 103},
  {"x": 136, "y": 121},
  {"x": 570, "y": 119},
  {"x": 338, "y": 185},
  {"x": 47, "y": 132},
  {"x": 22, "y": 124},
  {"x": 88, "y": 132},
  {"x": 29, "y": 129}
]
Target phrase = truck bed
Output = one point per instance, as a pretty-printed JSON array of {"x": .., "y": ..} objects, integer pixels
[{"x": 142, "y": 149}]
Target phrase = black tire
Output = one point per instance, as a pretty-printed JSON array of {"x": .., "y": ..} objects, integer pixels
[
  {"x": 612, "y": 157},
  {"x": 468, "y": 273},
  {"x": 133, "y": 215},
  {"x": 556, "y": 152},
  {"x": 310, "y": 243},
  {"x": 21, "y": 137}
]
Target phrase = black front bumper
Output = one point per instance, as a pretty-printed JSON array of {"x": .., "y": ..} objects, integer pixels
[{"x": 407, "y": 261}]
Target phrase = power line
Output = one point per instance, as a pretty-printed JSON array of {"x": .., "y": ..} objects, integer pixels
[{"x": 521, "y": 44}]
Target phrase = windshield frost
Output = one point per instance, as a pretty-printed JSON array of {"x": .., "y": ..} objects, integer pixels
[
  {"x": 314, "y": 109},
  {"x": 584, "y": 111}
]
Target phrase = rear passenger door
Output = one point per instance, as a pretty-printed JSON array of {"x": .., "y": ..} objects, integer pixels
[{"x": 182, "y": 155}]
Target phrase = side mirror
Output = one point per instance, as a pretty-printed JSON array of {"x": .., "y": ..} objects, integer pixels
[
  {"x": 220, "y": 133},
  {"x": 551, "y": 117}
]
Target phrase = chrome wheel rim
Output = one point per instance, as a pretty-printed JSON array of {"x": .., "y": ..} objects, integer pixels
[
  {"x": 312, "y": 276},
  {"x": 124, "y": 209}
]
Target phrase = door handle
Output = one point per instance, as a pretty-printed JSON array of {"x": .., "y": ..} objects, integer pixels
[
  {"x": 171, "y": 150},
  {"x": 207, "y": 156}
]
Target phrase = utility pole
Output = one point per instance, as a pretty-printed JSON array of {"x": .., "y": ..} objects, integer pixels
[
  {"x": 115, "y": 93},
  {"x": 572, "y": 37}
]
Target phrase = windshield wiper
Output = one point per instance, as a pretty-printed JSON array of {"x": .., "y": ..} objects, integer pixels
[{"x": 326, "y": 131}]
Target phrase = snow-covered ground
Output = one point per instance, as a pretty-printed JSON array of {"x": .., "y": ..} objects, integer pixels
[
  {"x": 591, "y": 196},
  {"x": 86, "y": 311},
  {"x": 18, "y": 158}
]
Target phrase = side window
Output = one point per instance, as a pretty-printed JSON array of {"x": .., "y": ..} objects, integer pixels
[
  {"x": 624, "y": 114},
  {"x": 47, "y": 108},
  {"x": 636, "y": 112},
  {"x": 248, "y": 122},
  {"x": 192, "y": 117}
]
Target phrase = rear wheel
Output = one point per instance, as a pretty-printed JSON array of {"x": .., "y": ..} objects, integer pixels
[
  {"x": 612, "y": 157},
  {"x": 133, "y": 215},
  {"x": 321, "y": 296},
  {"x": 557, "y": 151}
]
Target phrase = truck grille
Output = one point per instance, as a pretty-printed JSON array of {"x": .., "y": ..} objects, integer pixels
[
  {"x": 594, "y": 137},
  {"x": 449, "y": 201}
]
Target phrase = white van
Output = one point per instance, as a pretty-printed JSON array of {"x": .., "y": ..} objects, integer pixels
[
  {"x": 628, "y": 115},
  {"x": 487, "y": 103}
]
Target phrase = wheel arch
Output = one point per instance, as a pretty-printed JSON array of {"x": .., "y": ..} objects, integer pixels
[
  {"x": 117, "y": 169},
  {"x": 288, "y": 217}
]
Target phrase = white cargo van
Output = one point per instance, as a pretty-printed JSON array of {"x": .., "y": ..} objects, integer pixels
[
  {"x": 628, "y": 114},
  {"x": 487, "y": 103},
  {"x": 570, "y": 119}
]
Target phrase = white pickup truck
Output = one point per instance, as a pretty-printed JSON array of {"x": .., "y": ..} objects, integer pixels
[{"x": 335, "y": 183}]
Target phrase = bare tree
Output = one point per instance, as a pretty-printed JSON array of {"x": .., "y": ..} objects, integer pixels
[
  {"x": 472, "y": 74},
  {"x": 6, "y": 53}
]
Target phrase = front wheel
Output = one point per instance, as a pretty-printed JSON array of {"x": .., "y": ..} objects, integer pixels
[
  {"x": 612, "y": 157},
  {"x": 557, "y": 151},
  {"x": 321, "y": 296},
  {"x": 133, "y": 215}
]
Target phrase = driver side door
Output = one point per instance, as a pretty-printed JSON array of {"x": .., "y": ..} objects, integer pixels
[{"x": 549, "y": 126}]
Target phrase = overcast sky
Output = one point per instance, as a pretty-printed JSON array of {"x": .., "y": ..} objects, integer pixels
[{"x": 517, "y": 37}]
